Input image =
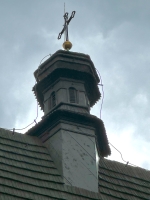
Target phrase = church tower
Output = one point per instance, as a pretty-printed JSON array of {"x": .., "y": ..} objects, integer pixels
[{"x": 66, "y": 89}]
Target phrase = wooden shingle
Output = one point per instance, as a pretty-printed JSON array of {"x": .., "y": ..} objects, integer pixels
[
  {"x": 120, "y": 181},
  {"x": 28, "y": 172}
]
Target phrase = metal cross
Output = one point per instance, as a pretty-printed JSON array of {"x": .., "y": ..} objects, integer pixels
[{"x": 65, "y": 29}]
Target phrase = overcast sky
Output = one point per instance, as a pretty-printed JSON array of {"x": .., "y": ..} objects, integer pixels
[{"x": 116, "y": 35}]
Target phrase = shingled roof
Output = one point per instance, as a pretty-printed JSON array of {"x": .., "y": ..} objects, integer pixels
[
  {"x": 28, "y": 172},
  {"x": 121, "y": 181}
]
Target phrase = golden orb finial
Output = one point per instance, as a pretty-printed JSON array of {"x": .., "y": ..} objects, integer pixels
[{"x": 67, "y": 45}]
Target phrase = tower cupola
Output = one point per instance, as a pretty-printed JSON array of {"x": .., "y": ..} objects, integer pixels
[
  {"x": 67, "y": 80},
  {"x": 66, "y": 89}
]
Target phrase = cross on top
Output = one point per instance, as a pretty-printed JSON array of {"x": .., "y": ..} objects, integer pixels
[{"x": 65, "y": 29}]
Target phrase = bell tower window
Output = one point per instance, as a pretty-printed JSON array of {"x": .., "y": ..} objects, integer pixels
[
  {"x": 72, "y": 95},
  {"x": 52, "y": 100}
]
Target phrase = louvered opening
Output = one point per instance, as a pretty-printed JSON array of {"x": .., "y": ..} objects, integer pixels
[
  {"x": 52, "y": 100},
  {"x": 73, "y": 95}
]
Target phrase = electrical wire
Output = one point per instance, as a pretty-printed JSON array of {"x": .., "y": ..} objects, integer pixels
[
  {"x": 127, "y": 162},
  {"x": 101, "y": 84},
  {"x": 34, "y": 121}
]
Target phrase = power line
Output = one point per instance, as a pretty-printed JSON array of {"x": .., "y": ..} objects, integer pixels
[
  {"x": 127, "y": 162},
  {"x": 101, "y": 84},
  {"x": 34, "y": 121}
]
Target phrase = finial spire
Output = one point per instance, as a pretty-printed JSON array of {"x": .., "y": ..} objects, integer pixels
[{"x": 67, "y": 44}]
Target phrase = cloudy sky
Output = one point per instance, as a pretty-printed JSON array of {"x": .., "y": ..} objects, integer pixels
[{"x": 116, "y": 35}]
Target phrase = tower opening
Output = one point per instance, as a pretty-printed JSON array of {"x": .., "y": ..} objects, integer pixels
[
  {"x": 72, "y": 95},
  {"x": 52, "y": 100}
]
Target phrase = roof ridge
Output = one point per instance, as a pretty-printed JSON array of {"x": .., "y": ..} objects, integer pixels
[{"x": 126, "y": 165}]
